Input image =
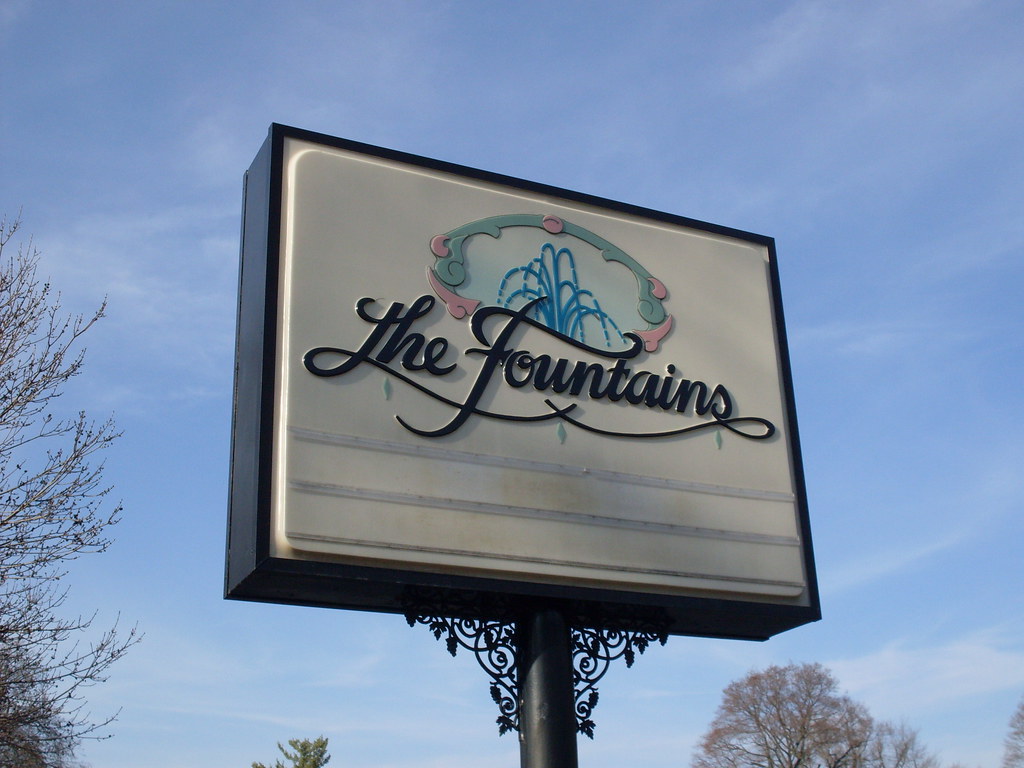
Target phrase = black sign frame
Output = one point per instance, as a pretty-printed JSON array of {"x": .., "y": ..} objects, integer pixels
[{"x": 252, "y": 573}]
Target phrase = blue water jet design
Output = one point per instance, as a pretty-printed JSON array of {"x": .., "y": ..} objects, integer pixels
[{"x": 569, "y": 306}]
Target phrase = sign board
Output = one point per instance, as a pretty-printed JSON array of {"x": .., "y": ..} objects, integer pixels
[{"x": 456, "y": 381}]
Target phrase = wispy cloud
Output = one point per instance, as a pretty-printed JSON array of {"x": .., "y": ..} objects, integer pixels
[
  {"x": 987, "y": 482},
  {"x": 874, "y": 92},
  {"x": 874, "y": 565},
  {"x": 905, "y": 676},
  {"x": 873, "y": 338},
  {"x": 867, "y": 36},
  {"x": 10, "y": 12},
  {"x": 170, "y": 295}
]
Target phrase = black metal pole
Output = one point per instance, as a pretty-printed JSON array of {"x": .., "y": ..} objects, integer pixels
[{"x": 547, "y": 719}]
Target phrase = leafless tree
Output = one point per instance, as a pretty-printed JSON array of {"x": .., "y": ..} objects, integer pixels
[
  {"x": 53, "y": 508},
  {"x": 795, "y": 717},
  {"x": 897, "y": 746},
  {"x": 1013, "y": 756}
]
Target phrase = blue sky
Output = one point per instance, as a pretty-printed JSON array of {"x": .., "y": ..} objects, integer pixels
[{"x": 879, "y": 143}]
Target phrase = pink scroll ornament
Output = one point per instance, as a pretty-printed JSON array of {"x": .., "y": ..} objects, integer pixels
[{"x": 458, "y": 307}]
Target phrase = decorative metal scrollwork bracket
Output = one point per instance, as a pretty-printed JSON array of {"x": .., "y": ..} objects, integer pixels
[
  {"x": 593, "y": 651},
  {"x": 493, "y": 643}
]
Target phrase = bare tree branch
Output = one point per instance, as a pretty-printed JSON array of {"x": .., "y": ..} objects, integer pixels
[
  {"x": 1013, "y": 756},
  {"x": 53, "y": 508},
  {"x": 795, "y": 717}
]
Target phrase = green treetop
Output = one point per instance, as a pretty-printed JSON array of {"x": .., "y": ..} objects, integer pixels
[{"x": 307, "y": 754}]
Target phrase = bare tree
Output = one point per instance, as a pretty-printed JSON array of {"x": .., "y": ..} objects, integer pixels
[
  {"x": 786, "y": 717},
  {"x": 897, "y": 746},
  {"x": 53, "y": 508},
  {"x": 1013, "y": 756},
  {"x": 795, "y": 717}
]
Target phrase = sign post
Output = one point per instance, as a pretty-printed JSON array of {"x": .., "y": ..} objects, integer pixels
[{"x": 547, "y": 721}]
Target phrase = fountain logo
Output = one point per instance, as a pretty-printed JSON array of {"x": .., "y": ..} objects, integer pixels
[
  {"x": 520, "y": 274},
  {"x": 552, "y": 273}
]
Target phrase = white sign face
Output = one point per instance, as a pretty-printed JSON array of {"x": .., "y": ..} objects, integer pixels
[{"x": 483, "y": 380}]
